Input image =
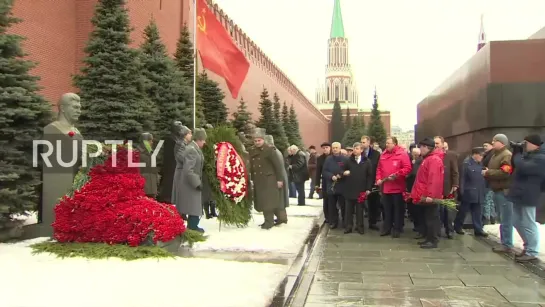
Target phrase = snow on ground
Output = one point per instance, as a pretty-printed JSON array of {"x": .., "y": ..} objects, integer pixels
[
  {"x": 494, "y": 231},
  {"x": 46, "y": 281},
  {"x": 284, "y": 239}
]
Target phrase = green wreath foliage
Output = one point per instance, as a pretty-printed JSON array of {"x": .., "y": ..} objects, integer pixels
[{"x": 230, "y": 213}]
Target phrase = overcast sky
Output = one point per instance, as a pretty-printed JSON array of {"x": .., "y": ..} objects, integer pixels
[{"x": 404, "y": 47}]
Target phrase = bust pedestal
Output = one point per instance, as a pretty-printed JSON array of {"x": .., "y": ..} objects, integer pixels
[{"x": 57, "y": 180}]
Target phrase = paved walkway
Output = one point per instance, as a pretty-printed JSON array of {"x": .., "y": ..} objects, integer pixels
[{"x": 368, "y": 270}]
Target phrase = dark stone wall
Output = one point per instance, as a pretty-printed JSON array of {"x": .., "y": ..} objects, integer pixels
[{"x": 499, "y": 90}]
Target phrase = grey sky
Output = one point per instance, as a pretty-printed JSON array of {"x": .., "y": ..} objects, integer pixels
[{"x": 404, "y": 47}]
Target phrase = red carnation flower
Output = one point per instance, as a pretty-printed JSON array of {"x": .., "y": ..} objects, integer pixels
[{"x": 71, "y": 133}]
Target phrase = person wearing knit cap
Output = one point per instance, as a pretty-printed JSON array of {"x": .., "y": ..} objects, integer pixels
[
  {"x": 267, "y": 174},
  {"x": 498, "y": 176},
  {"x": 191, "y": 182},
  {"x": 525, "y": 193}
]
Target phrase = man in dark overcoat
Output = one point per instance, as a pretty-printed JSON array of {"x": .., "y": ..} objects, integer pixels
[
  {"x": 148, "y": 171},
  {"x": 319, "y": 181},
  {"x": 450, "y": 183},
  {"x": 373, "y": 202},
  {"x": 472, "y": 192},
  {"x": 268, "y": 180}
]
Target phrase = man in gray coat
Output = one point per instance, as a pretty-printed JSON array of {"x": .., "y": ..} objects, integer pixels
[
  {"x": 191, "y": 183},
  {"x": 269, "y": 140},
  {"x": 181, "y": 136}
]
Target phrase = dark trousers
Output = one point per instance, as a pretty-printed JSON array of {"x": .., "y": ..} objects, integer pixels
[
  {"x": 431, "y": 224},
  {"x": 292, "y": 190},
  {"x": 394, "y": 212},
  {"x": 413, "y": 214},
  {"x": 373, "y": 208},
  {"x": 300, "y": 188},
  {"x": 311, "y": 193},
  {"x": 325, "y": 207},
  {"x": 333, "y": 201},
  {"x": 447, "y": 219},
  {"x": 419, "y": 219},
  {"x": 475, "y": 209},
  {"x": 351, "y": 206}
]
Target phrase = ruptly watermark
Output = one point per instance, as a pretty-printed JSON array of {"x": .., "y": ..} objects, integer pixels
[{"x": 77, "y": 153}]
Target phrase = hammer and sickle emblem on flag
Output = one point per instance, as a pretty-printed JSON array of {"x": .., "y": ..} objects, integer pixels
[{"x": 201, "y": 21}]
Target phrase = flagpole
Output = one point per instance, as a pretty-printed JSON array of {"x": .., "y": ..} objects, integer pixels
[{"x": 195, "y": 65}]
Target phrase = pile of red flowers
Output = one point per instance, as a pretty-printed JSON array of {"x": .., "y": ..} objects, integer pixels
[
  {"x": 113, "y": 208},
  {"x": 231, "y": 172}
]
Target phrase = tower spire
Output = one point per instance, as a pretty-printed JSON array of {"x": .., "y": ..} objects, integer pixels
[
  {"x": 337, "y": 25},
  {"x": 482, "y": 35}
]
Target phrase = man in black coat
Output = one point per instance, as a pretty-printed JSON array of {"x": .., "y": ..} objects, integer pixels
[
  {"x": 373, "y": 202},
  {"x": 320, "y": 183},
  {"x": 298, "y": 172},
  {"x": 358, "y": 178},
  {"x": 333, "y": 176}
]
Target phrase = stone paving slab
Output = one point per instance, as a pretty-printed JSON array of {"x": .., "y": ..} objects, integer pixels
[{"x": 369, "y": 270}]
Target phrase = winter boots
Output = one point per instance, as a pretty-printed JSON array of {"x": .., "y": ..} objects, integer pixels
[{"x": 210, "y": 210}]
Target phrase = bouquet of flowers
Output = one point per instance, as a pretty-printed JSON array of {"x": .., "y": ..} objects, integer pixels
[{"x": 362, "y": 197}]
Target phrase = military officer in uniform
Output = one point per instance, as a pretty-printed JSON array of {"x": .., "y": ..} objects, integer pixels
[{"x": 268, "y": 180}]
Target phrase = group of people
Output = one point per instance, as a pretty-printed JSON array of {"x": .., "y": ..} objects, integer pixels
[
  {"x": 396, "y": 181},
  {"x": 385, "y": 184}
]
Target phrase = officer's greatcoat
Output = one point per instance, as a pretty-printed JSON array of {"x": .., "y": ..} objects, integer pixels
[{"x": 266, "y": 171}]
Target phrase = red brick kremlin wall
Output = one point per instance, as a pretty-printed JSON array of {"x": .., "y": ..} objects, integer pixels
[
  {"x": 314, "y": 126},
  {"x": 57, "y": 32}
]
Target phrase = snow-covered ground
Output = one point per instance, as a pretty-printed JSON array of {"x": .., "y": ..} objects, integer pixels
[
  {"x": 494, "y": 231},
  {"x": 46, "y": 281}
]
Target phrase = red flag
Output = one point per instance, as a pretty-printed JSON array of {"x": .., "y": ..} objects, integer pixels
[{"x": 219, "y": 53}]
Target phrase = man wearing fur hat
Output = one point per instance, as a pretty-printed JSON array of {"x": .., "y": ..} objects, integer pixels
[
  {"x": 267, "y": 174},
  {"x": 498, "y": 176},
  {"x": 191, "y": 183},
  {"x": 269, "y": 140}
]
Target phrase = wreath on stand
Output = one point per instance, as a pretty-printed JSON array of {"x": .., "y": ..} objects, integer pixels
[{"x": 228, "y": 176}]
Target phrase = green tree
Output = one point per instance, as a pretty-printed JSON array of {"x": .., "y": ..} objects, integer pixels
[
  {"x": 286, "y": 117},
  {"x": 376, "y": 128},
  {"x": 112, "y": 87},
  {"x": 281, "y": 131},
  {"x": 268, "y": 122},
  {"x": 295, "y": 133},
  {"x": 347, "y": 120},
  {"x": 24, "y": 114},
  {"x": 337, "y": 125},
  {"x": 214, "y": 109},
  {"x": 184, "y": 57},
  {"x": 167, "y": 88},
  {"x": 242, "y": 118},
  {"x": 184, "y": 53},
  {"x": 355, "y": 132}
]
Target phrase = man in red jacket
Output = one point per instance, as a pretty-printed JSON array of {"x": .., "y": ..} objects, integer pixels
[
  {"x": 393, "y": 167},
  {"x": 427, "y": 188}
]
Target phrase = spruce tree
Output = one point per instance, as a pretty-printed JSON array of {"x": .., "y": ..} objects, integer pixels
[
  {"x": 167, "y": 88},
  {"x": 286, "y": 118},
  {"x": 184, "y": 57},
  {"x": 112, "y": 87},
  {"x": 337, "y": 126},
  {"x": 23, "y": 114},
  {"x": 281, "y": 131},
  {"x": 294, "y": 127},
  {"x": 267, "y": 120},
  {"x": 347, "y": 120},
  {"x": 214, "y": 109},
  {"x": 184, "y": 53},
  {"x": 355, "y": 132},
  {"x": 376, "y": 128},
  {"x": 242, "y": 118}
]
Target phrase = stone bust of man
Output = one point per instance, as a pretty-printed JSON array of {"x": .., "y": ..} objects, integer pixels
[{"x": 69, "y": 112}]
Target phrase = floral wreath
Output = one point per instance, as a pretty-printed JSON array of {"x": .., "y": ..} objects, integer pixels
[{"x": 231, "y": 172}]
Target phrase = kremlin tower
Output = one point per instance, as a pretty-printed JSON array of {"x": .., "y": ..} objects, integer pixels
[
  {"x": 482, "y": 36},
  {"x": 339, "y": 81}
]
